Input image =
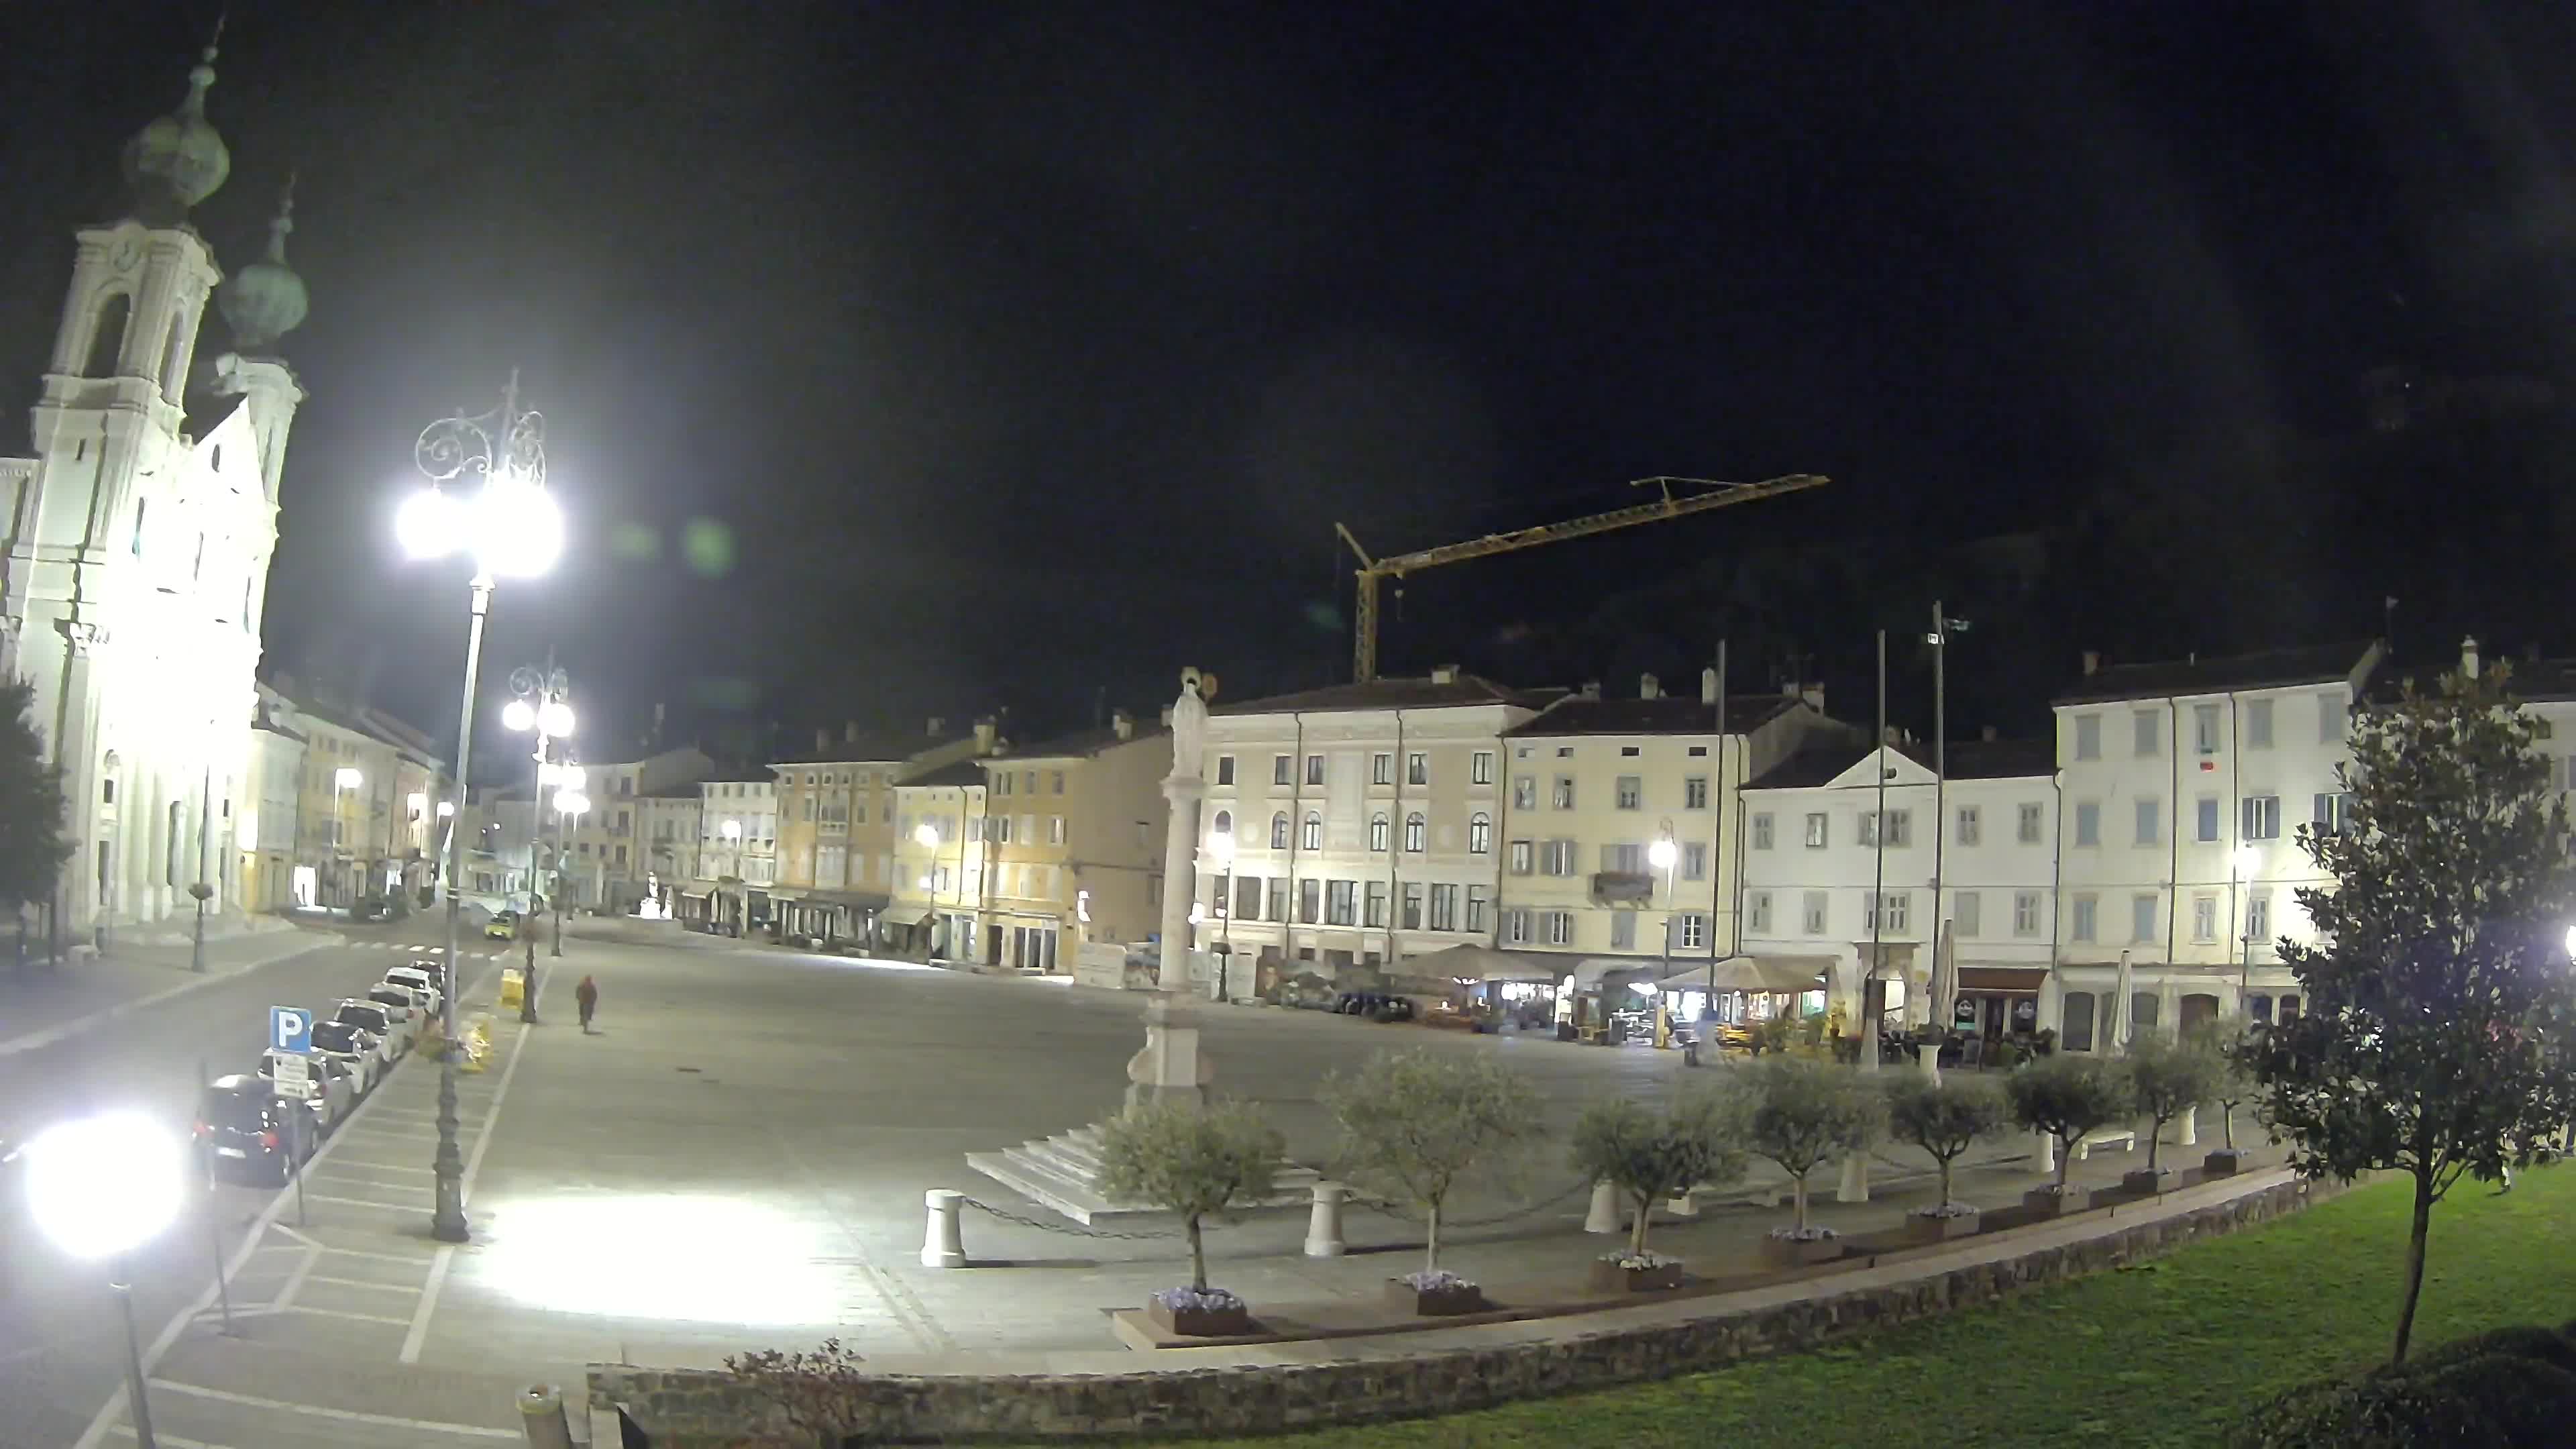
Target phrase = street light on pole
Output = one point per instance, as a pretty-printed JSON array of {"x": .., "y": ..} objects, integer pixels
[
  {"x": 926, "y": 835},
  {"x": 100, "y": 1187},
  {"x": 538, "y": 704},
  {"x": 733, "y": 857},
  {"x": 486, "y": 498},
  {"x": 1661, "y": 856},
  {"x": 1221, "y": 850}
]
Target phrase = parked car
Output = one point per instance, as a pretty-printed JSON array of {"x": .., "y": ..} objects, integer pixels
[
  {"x": 414, "y": 976},
  {"x": 362, "y": 1051},
  {"x": 413, "y": 1001},
  {"x": 379, "y": 1018},
  {"x": 330, "y": 1089},
  {"x": 504, "y": 926},
  {"x": 249, "y": 1131},
  {"x": 1375, "y": 1005}
]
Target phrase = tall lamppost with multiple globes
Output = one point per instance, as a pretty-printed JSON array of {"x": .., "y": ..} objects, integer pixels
[
  {"x": 487, "y": 500},
  {"x": 538, "y": 703}
]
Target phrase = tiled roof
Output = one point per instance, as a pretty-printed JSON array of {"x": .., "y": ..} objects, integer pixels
[
  {"x": 1463, "y": 689},
  {"x": 956, "y": 772},
  {"x": 882, "y": 749},
  {"x": 1668, "y": 715},
  {"x": 2271, "y": 669},
  {"x": 1966, "y": 760},
  {"x": 1082, "y": 744}
]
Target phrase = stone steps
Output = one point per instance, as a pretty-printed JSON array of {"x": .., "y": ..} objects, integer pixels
[{"x": 1062, "y": 1174}]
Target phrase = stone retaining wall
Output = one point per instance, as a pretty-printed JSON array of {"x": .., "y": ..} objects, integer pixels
[{"x": 706, "y": 1409}]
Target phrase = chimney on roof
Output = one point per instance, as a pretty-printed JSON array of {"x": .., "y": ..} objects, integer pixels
[
  {"x": 1591, "y": 689},
  {"x": 822, "y": 740},
  {"x": 987, "y": 731},
  {"x": 1987, "y": 734},
  {"x": 935, "y": 723},
  {"x": 1813, "y": 695},
  {"x": 849, "y": 732},
  {"x": 1708, "y": 686},
  {"x": 2092, "y": 661},
  {"x": 1649, "y": 687},
  {"x": 2468, "y": 656},
  {"x": 1123, "y": 724},
  {"x": 1444, "y": 674}
]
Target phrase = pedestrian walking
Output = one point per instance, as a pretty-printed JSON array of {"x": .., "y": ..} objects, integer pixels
[{"x": 586, "y": 995}]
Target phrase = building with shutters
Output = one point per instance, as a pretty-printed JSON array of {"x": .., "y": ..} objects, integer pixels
[{"x": 1075, "y": 838}]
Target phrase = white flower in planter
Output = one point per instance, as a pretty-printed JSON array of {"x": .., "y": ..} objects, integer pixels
[{"x": 1813, "y": 1233}]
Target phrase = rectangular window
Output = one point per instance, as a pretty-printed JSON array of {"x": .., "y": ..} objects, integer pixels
[
  {"x": 1884, "y": 911},
  {"x": 2150, "y": 820},
  {"x": 2088, "y": 822},
  {"x": 1314, "y": 769},
  {"x": 1374, "y": 906},
  {"x": 1900, "y": 828},
  {"x": 2261, "y": 817},
  {"x": 2088, "y": 737},
  {"x": 1310, "y": 901},
  {"x": 2205, "y": 819},
  {"x": 2258, "y": 918},
  {"x": 1632, "y": 793},
  {"x": 2204, "y": 918},
  {"x": 1476, "y": 903},
  {"x": 1517, "y": 927},
  {"x": 1480, "y": 768},
  {"x": 1341, "y": 903},
  {"x": 1520, "y": 853},
  {"x": 2204, "y": 729},
  {"x": 1055, "y": 830},
  {"x": 1564, "y": 862},
  {"x": 1693, "y": 931},
  {"x": 1279, "y": 765},
  {"x": 1381, "y": 769},
  {"x": 1965, "y": 909},
  {"x": 1626, "y": 858},
  {"x": 1277, "y": 909},
  {"x": 2330, "y": 717},
  {"x": 1868, "y": 829},
  {"x": 1623, "y": 930},
  {"x": 2148, "y": 726},
  {"x": 1417, "y": 769},
  {"x": 1560, "y": 927},
  {"x": 1816, "y": 831},
  {"x": 1971, "y": 825},
  {"x": 1695, "y": 792},
  {"x": 1695, "y": 860},
  {"x": 2333, "y": 813},
  {"x": 1562, "y": 797},
  {"x": 1247, "y": 897},
  {"x": 1811, "y": 913},
  {"x": 1757, "y": 912},
  {"x": 2082, "y": 927},
  {"x": 1413, "y": 905},
  {"x": 2142, "y": 918},
  {"x": 2258, "y": 724},
  {"x": 1524, "y": 792},
  {"x": 2025, "y": 913},
  {"x": 1762, "y": 831},
  {"x": 1444, "y": 908},
  {"x": 2028, "y": 819},
  {"x": 2079, "y": 1021}
]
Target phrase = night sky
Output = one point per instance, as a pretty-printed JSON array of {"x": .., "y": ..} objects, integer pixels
[{"x": 911, "y": 359}]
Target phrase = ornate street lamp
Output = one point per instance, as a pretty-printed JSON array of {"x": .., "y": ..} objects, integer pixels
[
  {"x": 539, "y": 705},
  {"x": 486, "y": 499}
]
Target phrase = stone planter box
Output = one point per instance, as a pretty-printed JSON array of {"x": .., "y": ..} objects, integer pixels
[
  {"x": 2141, "y": 1180},
  {"x": 1199, "y": 1322},
  {"x": 2225, "y": 1162},
  {"x": 1921, "y": 1228},
  {"x": 2050, "y": 1204},
  {"x": 1794, "y": 1253},
  {"x": 1609, "y": 1277},
  {"x": 1403, "y": 1297}
]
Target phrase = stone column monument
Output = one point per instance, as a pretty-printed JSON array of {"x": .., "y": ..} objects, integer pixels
[{"x": 1170, "y": 1064}]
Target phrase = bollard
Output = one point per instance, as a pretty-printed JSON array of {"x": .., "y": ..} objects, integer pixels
[
  {"x": 1324, "y": 1221},
  {"x": 1603, "y": 1215},
  {"x": 541, "y": 1413},
  {"x": 2043, "y": 1150},
  {"x": 941, "y": 1246},
  {"x": 1682, "y": 1204},
  {"x": 2189, "y": 1121}
]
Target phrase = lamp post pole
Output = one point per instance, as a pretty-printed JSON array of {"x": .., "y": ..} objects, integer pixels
[
  {"x": 510, "y": 526},
  {"x": 199, "y": 888}
]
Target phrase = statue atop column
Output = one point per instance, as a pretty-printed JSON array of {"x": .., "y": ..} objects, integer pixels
[{"x": 1189, "y": 725}]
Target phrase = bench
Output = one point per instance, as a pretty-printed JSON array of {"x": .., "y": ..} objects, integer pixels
[{"x": 2127, "y": 1137}]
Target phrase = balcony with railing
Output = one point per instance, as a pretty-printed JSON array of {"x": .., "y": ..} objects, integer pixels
[{"x": 1623, "y": 887}]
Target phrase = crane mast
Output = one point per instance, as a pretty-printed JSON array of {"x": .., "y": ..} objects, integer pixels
[{"x": 1666, "y": 505}]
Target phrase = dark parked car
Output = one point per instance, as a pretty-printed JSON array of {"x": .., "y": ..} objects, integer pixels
[
  {"x": 1375, "y": 1005},
  {"x": 249, "y": 1130}
]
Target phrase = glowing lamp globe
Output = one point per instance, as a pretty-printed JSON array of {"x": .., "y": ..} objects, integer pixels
[
  {"x": 1661, "y": 853},
  {"x": 347, "y": 777},
  {"x": 430, "y": 524},
  {"x": 2571, "y": 940},
  {"x": 1221, "y": 847},
  {"x": 571, "y": 802},
  {"x": 104, "y": 1185},
  {"x": 518, "y": 529},
  {"x": 556, "y": 718},
  {"x": 926, "y": 834},
  {"x": 518, "y": 716}
]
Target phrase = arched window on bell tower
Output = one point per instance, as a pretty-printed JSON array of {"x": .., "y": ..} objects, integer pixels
[{"x": 107, "y": 335}]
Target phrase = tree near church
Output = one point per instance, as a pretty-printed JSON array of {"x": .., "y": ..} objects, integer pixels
[
  {"x": 2440, "y": 1000},
  {"x": 33, "y": 846}
]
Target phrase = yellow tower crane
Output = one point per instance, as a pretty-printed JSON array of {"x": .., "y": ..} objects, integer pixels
[{"x": 1669, "y": 505}]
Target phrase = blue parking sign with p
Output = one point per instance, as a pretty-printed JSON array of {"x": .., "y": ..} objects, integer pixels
[{"x": 290, "y": 1029}]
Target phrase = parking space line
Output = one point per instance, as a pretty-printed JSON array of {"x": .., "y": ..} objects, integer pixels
[
  {"x": 416, "y": 1262},
  {"x": 294, "y": 1280},
  {"x": 343, "y": 1313},
  {"x": 389, "y": 1167},
  {"x": 173, "y": 1440},
  {"x": 465, "y": 1185},
  {"x": 391, "y": 1207},
  {"x": 363, "y": 1283},
  {"x": 346, "y": 1416}
]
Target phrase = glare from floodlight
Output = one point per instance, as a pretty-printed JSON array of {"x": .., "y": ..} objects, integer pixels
[{"x": 104, "y": 1185}]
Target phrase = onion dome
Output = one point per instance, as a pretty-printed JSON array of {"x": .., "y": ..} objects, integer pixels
[
  {"x": 265, "y": 300},
  {"x": 178, "y": 160}
]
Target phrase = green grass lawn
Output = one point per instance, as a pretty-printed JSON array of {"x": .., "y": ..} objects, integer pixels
[{"x": 2164, "y": 1353}]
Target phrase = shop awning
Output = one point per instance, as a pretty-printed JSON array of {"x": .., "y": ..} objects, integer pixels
[
  {"x": 903, "y": 915},
  {"x": 1483, "y": 963},
  {"x": 1779, "y": 975},
  {"x": 2001, "y": 978},
  {"x": 1591, "y": 971}
]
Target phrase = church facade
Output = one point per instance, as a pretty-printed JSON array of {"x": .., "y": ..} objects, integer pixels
[{"x": 139, "y": 535}]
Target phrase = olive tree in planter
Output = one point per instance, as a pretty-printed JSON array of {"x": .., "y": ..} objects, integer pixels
[
  {"x": 1413, "y": 1126},
  {"x": 1197, "y": 1161},
  {"x": 2231, "y": 1085},
  {"x": 2167, "y": 1079},
  {"x": 2066, "y": 1096},
  {"x": 1798, "y": 1114},
  {"x": 1650, "y": 1155},
  {"x": 1945, "y": 1119}
]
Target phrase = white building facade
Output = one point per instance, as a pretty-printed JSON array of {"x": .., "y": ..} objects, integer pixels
[
  {"x": 737, "y": 850},
  {"x": 140, "y": 535},
  {"x": 2182, "y": 789},
  {"x": 610, "y": 852}
]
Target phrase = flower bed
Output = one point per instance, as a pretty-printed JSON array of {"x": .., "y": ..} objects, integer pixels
[
  {"x": 1942, "y": 1223},
  {"x": 1434, "y": 1294},
  {"x": 2224, "y": 1162},
  {"x": 1635, "y": 1272},
  {"x": 1802, "y": 1247},
  {"x": 2057, "y": 1202},
  {"x": 1214, "y": 1313},
  {"x": 2142, "y": 1179}
]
